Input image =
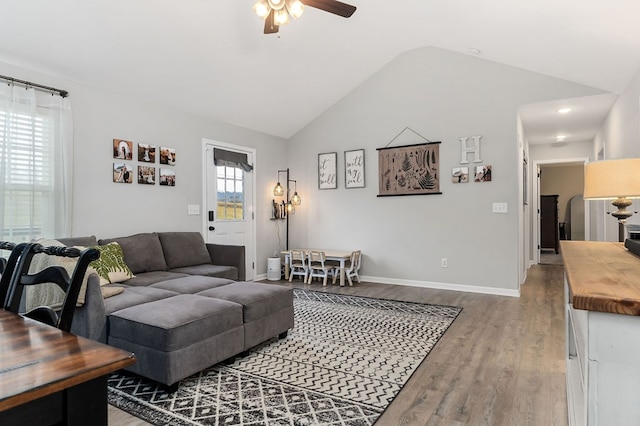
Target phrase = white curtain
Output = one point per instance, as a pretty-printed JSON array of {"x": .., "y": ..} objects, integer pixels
[{"x": 36, "y": 163}]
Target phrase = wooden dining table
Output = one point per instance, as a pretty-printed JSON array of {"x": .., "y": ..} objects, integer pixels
[
  {"x": 340, "y": 256},
  {"x": 49, "y": 376}
]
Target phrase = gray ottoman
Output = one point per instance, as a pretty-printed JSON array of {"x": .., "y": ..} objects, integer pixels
[
  {"x": 267, "y": 308},
  {"x": 176, "y": 337}
]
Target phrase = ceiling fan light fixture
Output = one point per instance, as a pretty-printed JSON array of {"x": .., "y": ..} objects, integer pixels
[
  {"x": 281, "y": 17},
  {"x": 262, "y": 8},
  {"x": 295, "y": 8}
]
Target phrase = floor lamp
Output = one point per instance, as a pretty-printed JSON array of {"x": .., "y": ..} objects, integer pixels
[
  {"x": 290, "y": 202},
  {"x": 617, "y": 180}
]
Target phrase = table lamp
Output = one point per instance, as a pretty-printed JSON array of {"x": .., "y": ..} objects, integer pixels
[{"x": 617, "y": 180}]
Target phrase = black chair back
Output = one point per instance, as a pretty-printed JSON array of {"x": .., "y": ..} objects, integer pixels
[
  {"x": 8, "y": 267},
  {"x": 53, "y": 274}
]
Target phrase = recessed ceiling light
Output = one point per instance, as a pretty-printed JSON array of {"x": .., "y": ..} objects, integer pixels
[
  {"x": 564, "y": 110},
  {"x": 560, "y": 138},
  {"x": 474, "y": 51}
]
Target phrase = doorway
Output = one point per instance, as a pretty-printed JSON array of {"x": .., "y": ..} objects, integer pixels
[
  {"x": 229, "y": 199},
  {"x": 564, "y": 179}
]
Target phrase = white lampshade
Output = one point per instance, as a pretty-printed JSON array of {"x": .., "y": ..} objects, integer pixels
[
  {"x": 605, "y": 180},
  {"x": 262, "y": 8},
  {"x": 281, "y": 17},
  {"x": 295, "y": 8}
]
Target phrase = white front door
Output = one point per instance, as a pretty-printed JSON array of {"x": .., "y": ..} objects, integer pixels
[{"x": 228, "y": 200}]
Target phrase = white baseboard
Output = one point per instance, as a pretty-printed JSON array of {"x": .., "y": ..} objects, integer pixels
[
  {"x": 431, "y": 284},
  {"x": 444, "y": 286}
]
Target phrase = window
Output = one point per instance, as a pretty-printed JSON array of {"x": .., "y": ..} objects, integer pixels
[
  {"x": 34, "y": 175},
  {"x": 230, "y": 192}
]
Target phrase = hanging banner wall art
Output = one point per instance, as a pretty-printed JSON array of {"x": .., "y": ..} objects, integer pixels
[{"x": 409, "y": 170}]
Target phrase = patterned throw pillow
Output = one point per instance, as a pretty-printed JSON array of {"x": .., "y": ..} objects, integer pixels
[{"x": 110, "y": 266}]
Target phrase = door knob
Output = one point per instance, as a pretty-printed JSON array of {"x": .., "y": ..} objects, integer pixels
[{"x": 212, "y": 228}]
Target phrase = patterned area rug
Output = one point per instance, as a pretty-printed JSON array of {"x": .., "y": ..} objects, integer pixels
[{"x": 343, "y": 363}]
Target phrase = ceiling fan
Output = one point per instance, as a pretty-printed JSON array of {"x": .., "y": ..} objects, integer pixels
[{"x": 277, "y": 12}]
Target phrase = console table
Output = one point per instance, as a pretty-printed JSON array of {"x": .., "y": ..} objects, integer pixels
[
  {"x": 48, "y": 376},
  {"x": 602, "y": 320}
]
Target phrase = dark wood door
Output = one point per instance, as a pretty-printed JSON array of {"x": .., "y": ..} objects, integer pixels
[{"x": 549, "y": 238}]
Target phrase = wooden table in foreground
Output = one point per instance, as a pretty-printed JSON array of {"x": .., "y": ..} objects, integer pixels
[
  {"x": 337, "y": 255},
  {"x": 48, "y": 376},
  {"x": 602, "y": 322}
]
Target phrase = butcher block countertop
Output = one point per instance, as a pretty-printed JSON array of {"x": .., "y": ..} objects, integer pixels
[{"x": 602, "y": 276}]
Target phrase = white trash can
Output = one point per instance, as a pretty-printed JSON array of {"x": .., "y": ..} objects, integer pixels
[{"x": 273, "y": 269}]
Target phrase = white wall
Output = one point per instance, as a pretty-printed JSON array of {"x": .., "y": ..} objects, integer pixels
[
  {"x": 620, "y": 137},
  {"x": 107, "y": 209},
  {"x": 443, "y": 96}
]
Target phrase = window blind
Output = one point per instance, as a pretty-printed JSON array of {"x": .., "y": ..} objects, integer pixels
[{"x": 27, "y": 160}]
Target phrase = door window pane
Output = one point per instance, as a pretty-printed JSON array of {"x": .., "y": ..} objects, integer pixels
[{"x": 230, "y": 193}]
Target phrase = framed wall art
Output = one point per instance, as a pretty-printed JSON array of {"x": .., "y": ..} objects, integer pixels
[
  {"x": 146, "y": 153},
  {"x": 167, "y": 177},
  {"x": 167, "y": 156},
  {"x": 482, "y": 174},
  {"x": 327, "y": 163},
  {"x": 354, "y": 169},
  {"x": 122, "y": 173},
  {"x": 146, "y": 175},
  {"x": 409, "y": 170},
  {"x": 122, "y": 150},
  {"x": 460, "y": 175}
]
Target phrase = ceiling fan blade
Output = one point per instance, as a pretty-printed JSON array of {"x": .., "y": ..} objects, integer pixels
[
  {"x": 332, "y": 6},
  {"x": 270, "y": 27}
]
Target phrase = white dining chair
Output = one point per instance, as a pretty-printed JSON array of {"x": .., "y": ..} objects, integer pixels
[
  {"x": 318, "y": 266},
  {"x": 351, "y": 268},
  {"x": 298, "y": 265}
]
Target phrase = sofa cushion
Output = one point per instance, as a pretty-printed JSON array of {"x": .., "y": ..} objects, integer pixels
[
  {"x": 183, "y": 249},
  {"x": 258, "y": 300},
  {"x": 110, "y": 266},
  {"x": 148, "y": 278},
  {"x": 132, "y": 296},
  {"x": 191, "y": 284},
  {"x": 209, "y": 270},
  {"x": 142, "y": 252},
  {"x": 176, "y": 322}
]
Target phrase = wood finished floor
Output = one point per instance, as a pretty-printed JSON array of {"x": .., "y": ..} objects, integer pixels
[{"x": 500, "y": 363}]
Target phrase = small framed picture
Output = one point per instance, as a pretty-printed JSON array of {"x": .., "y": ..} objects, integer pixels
[
  {"x": 483, "y": 174},
  {"x": 327, "y": 178},
  {"x": 146, "y": 153},
  {"x": 122, "y": 150},
  {"x": 167, "y": 156},
  {"x": 460, "y": 175},
  {"x": 354, "y": 168},
  {"x": 122, "y": 173},
  {"x": 167, "y": 177},
  {"x": 146, "y": 175}
]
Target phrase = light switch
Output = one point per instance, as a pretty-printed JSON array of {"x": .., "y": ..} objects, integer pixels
[
  {"x": 499, "y": 208},
  {"x": 193, "y": 209}
]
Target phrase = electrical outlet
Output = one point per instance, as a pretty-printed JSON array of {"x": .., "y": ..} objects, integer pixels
[{"x": 444, "y": 262}]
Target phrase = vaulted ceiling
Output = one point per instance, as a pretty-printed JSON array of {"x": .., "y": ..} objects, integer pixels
[{"x": 211, "y": 58}]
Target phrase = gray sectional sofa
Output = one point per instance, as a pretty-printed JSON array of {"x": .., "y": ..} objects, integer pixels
[{"x": 183, "y": 311}]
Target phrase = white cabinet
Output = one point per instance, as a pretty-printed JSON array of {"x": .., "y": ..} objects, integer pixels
[{"x": 603, "y": 366}]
